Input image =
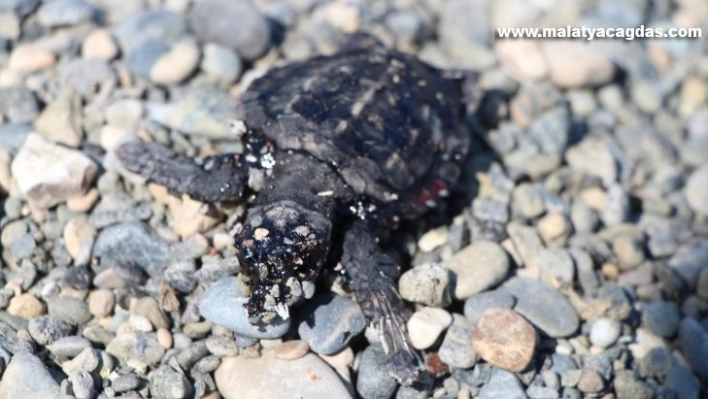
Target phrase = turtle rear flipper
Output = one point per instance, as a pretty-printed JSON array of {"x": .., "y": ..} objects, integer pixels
[
  {"x": 372, "y": 277},
  {"x": 210, "y": 179}
]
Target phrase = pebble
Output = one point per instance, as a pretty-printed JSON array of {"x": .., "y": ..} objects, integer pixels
[
  {"x": 78, "y": 234},
  {"x": 30, "y": 58},
  {"x": 136, "y": 346},
  {"x": 574, "y": 64},
  {"x": 130, "y": 244},
  {"x": 605, "y": 332},
  {"x": 36, "y": 380},
  {"x": 554, "y": 229},
  {"x": 590, "y": 381},
  {"x": 429, "y": 284},
  {"x": 628, "y": 386},
  {"x": 527, "y": 201},
  {"x": 82, "y": 384},
  {"x": 26, "y": 306},
  {"x": 425, "y": 326},
  {"x": 160, "y": 25},
  {"x": 99, "y": 44},
  {"x": 10, "y": 26},
  {"x": 69, "y": 309},
  {"x": 222, "y": 304},
  {"x": 126, "y": 382},
  {"x": 18, "y": 106},
  {"x": 329, "y": 322},
  {"x": 46, "y": 329},
  {"x": 143, "y": 59},
  {"x": 307, "y": 377},
  {"x": 455, "y": 350},
  {"x": 617, "y": 207},
  {"x": 594, "y": 156},
  {"x": 221, "y": 63},
  {"x": 477, "y": 268},
  {"x": 544, "y": 307},
  {"x": 292, "y": 350},
  {"x": 64, "y": 13},
  {"x": 69, "y": 346},
  {"x": 694, "y": 341},
  {"x": 526, "y": 241},
  {"x": 48, "y": 174},
  {"x": 522, "y": 59},
  {"x": 504, "y": 339},
  {"x": 502, "y": 384},
  {"x": 477, "y": 304},
  {"x": 168, "y": 383},
  {"x": 149, "y": 308},
  {"x": 646, "y": 95},
  {"x": 234, "y": 24},
  {"x": 87, "y": 360},
  {"x": 696, "y": 190},
  {"x": 683, "y": 382},
  {"x": 661, "y": 318},
  {"x": 555, "y": 266},
  {"x": 60, "y": 121},
  {"x": 629, "y": 251},
  {"x": 175, "y": 65},
  {"x": 89, "y": 77},
  {"x": 373, "y": 378},
  {"x": 189, "y": 216}
]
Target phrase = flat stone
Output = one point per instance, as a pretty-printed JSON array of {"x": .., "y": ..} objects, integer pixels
[
  {"x": 65, "y": 12},
  {"x": 373, "y": 379},
  {"x": 430, "y": 284},
  {"x": 36, "y": 381},
  {"x": 99, "y": 44},
  {"x": 543, "y": 306},
  {"x": 477, "y": 304},
  {"x": 60, "y": 120},
  {"x": 661, "y": 318},
  {"x": 477, "y": 268},
  {"x": 30, "y": 58},
  {"x": 455, "y": 350},
  {"x": 136, "y": 346},
  {"x": 307, "y": 377},
  {"x": 222, "y": 304},
  {"x": 425, "y": 326},
  {"x": 292, "y": 350},
  {"x": 502, "y": 384},
  {"x": 503, "y": 338},
  {"x": 48, "y": 174},
  {"x": 329, "y": 322}
]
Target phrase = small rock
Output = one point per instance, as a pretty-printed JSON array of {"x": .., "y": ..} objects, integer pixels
[
  {"x": 617, "y": 207},
  {"x": 18, "y": 105},
  {"x": 477, "y": 268},
  {"x": 594, "y": 156},
  {"x": 36, "y": 381},
  {"x": 150, "y": 308},
  {"x": 661, "y": 318},
  {"x": 590, "y": 381},
  {"x": 543, "y": 306},
  {"x": 87, "y": 360},
  {"x": 330, "y": 322},
  {"x": 190, "y": 217},
  {"x": 574, "y": 64},
  {"x": 26, "y": 306},
  {"x": 373, "y": 379},
  {"x": 504, "y": 339},
  {"x": 604, "y": 332},
  {"x": 99, "y": 44},
  {"x": 502, "y": 384},
  {"x": 65, "y": 12},
  {"x": 425, "y": 326},
  {"x": 646, "y": 95},
  {"x": 68, "y": 347},
  {"x": 526, "y": 199},
  {"x": 554, "y": 229},
  {"x": 46, "y": 330},
  {"x": 133, "y": 244},
  {"x": 159, "y": 25},
  {"x": 455, "y": 350},
  {"x": 523, "y": 59},
  {"x": 168, "y": 383},
  {"x": 307, "y": 377},
  {"x": 477, "y": 304},
  {"x": 30, "y": 58},
  {"x": 78, "y": 234},
  {"x": 628, "y": 250},
  {"x": 696, "y": 190},
  {"x": 60, "y": 121},
  {"x": 233, "y": 24},
  {"x": 629, "y": 387},
  {"x": 136, "y": 346},
  {"x": 176, "y": 65},
  {"x": 69, "y": 309},
  {"x": 222, "y": 304},
  {"x": 555, "y": 266},
  {"x": 82, "y": 384},
  {"x": 221, "y": 63},
  {"x": 429, "y": 284},
  {"x": 657, "y": 363},
  {"x": 48, "y": 174},
  {"x": 144, "y": 58},
  {"x": 292, "y": 350},
  {"x": 683, "y": 382},
  {"x": 126, "y": 382},
  {"x": 694, "y": 341},
  {"x": 526, "y": 241}
]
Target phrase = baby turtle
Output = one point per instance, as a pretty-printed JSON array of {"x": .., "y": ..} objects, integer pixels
[{"x": 335, "y": 148}]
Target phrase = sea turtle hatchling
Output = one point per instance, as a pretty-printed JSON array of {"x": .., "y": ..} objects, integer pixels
[{"x": 335, "y": 148}]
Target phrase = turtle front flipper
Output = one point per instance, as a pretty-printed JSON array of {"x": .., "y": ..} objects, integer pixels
[
  {"x": 210, "y": 179},
  {"x": 372, "y": 277}
]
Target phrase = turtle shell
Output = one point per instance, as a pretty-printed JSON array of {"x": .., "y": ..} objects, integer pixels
[{"x": 388, "y": 123}]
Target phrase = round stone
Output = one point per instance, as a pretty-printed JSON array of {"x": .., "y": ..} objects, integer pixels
[
  {"x": 661, "y": 318},
  {"x": 477, "y": 268},
  {"x": 429, "y": 284},
  {"x": 99, "y": 44},
  {"x": 426, "y": 325},
  {"x": 329, "y": 322},
  {"x": 176, "y": 65},
  {"x": 505, "y": 339},
  {"x": 604, "y": 332},
  {"x": 30, "y": 58}
]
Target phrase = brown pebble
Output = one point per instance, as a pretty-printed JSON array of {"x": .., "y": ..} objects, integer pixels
[
  {"x": 84, "y": 202},
  {"x": 505, "y": 339},
  {"x": 101, "y": 302},
  {"x": 164, "y": 337},
  {"x": 590, "y": 381},
  {"x": 26, "y": 306},
  {"x": 292, "y": 350}
]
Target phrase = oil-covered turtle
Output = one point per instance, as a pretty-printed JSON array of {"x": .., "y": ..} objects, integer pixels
[{"x": 336, "y": 148}]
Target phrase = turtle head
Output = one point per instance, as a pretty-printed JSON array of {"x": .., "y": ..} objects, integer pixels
[{"x": 282, "y": 247}]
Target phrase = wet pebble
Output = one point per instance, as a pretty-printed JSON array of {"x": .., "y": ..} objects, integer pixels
[
  {"x": 504, "y": 339},
  {"x": 429, "y": 284},
  {"x": 329, "y": 322},
  {"x": 222, "y": 304},
  {"x": 477, "y": 268}
]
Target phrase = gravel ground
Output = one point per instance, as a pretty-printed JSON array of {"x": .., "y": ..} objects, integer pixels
[{"x": 572, "y": 262}]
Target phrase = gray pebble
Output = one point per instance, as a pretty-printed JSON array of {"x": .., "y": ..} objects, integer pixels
[
  {"x": 429, "y": 284},
  {"x": 628, "y": 386},
  {"x": 65, "y": 12},
  {"x": 87, "y": 361},
  {"x": 555, "y": 265},
  {"x": 68, "y": 347},
  {"x": 34, "y": 379},
  {"x": 133, "y": 244},
  {"x": 139, "y": 346},
  {"x": 562, "y": 363},
  {"x": 571, "y": 393},
  {"x": 694, "y": 341},
  {"x": 583, "y": 218},
  {"x": 617, "y": 208},
  {"x": 543, "y": 306},
  {"x": 551, "y": 379},
  {"x": 221, "y": 63},
  {"x": 88, "y": 77},
  {"x": 159, "y": 25},
  {"x": 222, "y": 304},
  {"x": 23, "y": 247},
  {"x": 329, "y": 322},
  {"x": 539, "y": 392},
  {"x": 141, "y": 60},
  {"x": 689, "y": 259},
  {"x": 527, "y": 201},
  {"x": 69, "y": 309},
  {"x": 661, "y": 318},
  {"x": 46, "y": 330},
  {"x": 82, "y": 384},
  {"x": 476, "y": 305},
  {"x": 18, "y": 105},
  {"x": 683, "y": 382},
  {"x": 20, "y": 7},
  {"x": 604, "y": 332},
  {"x": 127, "y": 382},
  {"x": 551, "y": 130},
  {"x": 373, "y": 379},
  {"x": 222, "y": 346},
  {"x": 235, "y": 24},
  {"x": 168, "y": 383},
  {"x": 192, "y": 354},
  {"x": 207, "y": 364},
  {"x": 456, "y": 348},
  {"x": 502, "y": 384},
  {"x": 149, "y": 307},
  {"x": 657, "y": 362}
]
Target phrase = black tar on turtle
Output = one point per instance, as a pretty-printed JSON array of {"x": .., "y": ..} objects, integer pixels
[{"x": 336, "y": 148}]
